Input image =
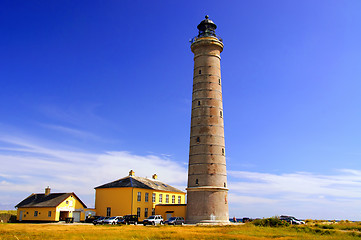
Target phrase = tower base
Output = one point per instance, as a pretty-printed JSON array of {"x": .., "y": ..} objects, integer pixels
[{"x": 207, "y": 205}]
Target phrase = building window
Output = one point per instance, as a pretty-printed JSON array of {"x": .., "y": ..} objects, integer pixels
[
  {"x": 173, "y": 199},
  {"x": 153, "y": 211},
  {"x": 179, "y": 199},
  {"x": 167, "y": 198},
  {"x": 198, "y": 139},
  {"x": 146, "y": 197},
  {"x": 49, "y": 214},
  {"x": 153, "y": 197},
  {"x": 219, "y": 81},
  {"x": 200, "y": 71},
  {"x": 160, "y": 198},
  {"x": 108, "y": 211},
  {"x": 145, "y": 212},
  {"x": 35, "y": 213},
  {"x": 224, "y": 184},
  {"x": 138, "y": 212},
  {"x": 197, "y": 181},
  {"x": 67, "y": 202},
  {"x": 222, "y": 151},
  {"x": 139, "y": 197},
  {"x": 199, "y": 103}
]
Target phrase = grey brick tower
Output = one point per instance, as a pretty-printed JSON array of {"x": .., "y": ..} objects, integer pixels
[{"x": 207, "y": 177}]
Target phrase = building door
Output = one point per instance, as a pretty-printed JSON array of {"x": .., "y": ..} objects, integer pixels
[
  {"x": 21, "y": 216},
  {"x": 76, "y": 216},
  {"x": 63, "y": 215}
]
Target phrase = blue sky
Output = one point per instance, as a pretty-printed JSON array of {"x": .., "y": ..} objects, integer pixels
[{"x": 92, "y": 89}]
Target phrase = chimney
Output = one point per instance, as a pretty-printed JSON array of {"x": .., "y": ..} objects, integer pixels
[
  {"x": 131, "y": 173},
  {"x": 155, "y": 176},
  {"x": 47, "y": 191}
]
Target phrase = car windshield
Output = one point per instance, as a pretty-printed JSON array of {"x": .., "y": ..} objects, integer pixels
[
  {"x": 112, "y": 218},
  {"x": 172, "y": 218},
  {"x": 151, "y": 217}
]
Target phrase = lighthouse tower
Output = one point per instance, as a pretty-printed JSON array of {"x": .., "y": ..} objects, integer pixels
[{"x": 207, "y": 178}]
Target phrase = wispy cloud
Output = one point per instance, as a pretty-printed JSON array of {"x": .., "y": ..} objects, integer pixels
[
  {"x": 345, "y": 184},
  {"x": 72, "y": 131},
  {"x": 304, "y": 194}
]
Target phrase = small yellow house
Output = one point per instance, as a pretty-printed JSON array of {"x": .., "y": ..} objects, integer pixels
[
  {"x": 137, "y": 196},
  {"x": 171, "y": 210},
  {"x": 51, "y": 207}
]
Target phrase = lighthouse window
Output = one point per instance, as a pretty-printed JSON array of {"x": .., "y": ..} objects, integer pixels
[
  {"x": 219, "y": 81},
  {"x": 221, "y": 114},
  {"x": 198, "y": 140},
  {"x": 200, "y": 71},
  {"x": 197, "y": 181},
  {"x": 222, "y": 151},
  {"x": 199, "y": 103},
  {"x": 224, "y": 184}
]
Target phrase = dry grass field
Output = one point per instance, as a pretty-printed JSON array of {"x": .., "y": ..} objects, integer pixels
[{"x": 21, "y": 231}]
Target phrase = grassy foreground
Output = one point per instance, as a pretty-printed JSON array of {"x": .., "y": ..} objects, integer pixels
[{"x": 20, "y": 231}]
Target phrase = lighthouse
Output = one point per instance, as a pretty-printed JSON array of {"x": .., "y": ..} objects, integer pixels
[{"x": 207, "y": 177}]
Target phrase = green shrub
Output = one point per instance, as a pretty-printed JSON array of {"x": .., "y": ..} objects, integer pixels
[
  {"x": 328, "y": 227},
  {"x": 7, "y": 217},
  {"x": 270, "y": 222}
]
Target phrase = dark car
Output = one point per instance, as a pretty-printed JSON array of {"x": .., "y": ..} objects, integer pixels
[
  {"x": 129, "y": 219},
  {"x": 90, "y": 219},
  {"x": 100, "y": 220},
  {"x": 246, "y": 220},
  {"x": 175, "y": 221}
]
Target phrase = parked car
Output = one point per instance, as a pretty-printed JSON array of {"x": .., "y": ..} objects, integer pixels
[
  {"x": 90, "y": 219},
  {"x": 175, "y": 221},
  {"x": 99, "y": 220},
  {"x": 129, "y": 219},
  {"x": 113, "y": 220},
  {"x": 291, "y": 220},
  {"x": 153, "y": 220}
]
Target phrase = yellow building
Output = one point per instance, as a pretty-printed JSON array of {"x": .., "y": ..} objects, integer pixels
[
  {"x": 172, "y": 210},
  {"x": 51, "y": 207},
  {"x": 137, "y": 196}
]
